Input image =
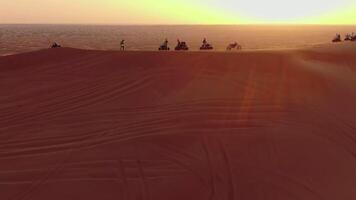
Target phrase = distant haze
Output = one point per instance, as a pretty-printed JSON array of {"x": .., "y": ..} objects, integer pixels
[
  {"x": 178, "y": 11},
  {"x": 22, "y": 38}
]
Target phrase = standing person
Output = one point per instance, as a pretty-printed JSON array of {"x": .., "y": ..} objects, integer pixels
[
  {"x": 204, "y": 42},
  {"x": 122, "y": 45}
]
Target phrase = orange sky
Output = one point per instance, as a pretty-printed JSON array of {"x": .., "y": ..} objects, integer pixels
[{"x": 179, "y": 11}]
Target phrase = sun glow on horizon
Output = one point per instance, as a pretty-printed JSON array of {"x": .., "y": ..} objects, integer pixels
[{"x": 179, "y": 11}]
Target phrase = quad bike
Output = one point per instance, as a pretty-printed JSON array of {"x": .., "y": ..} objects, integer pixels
[
  {"x": 206, "y": 46},
  {"x": 353, "y": 38},
  {"x": 163, "y": 47},
  {"x": 348, "y": 37},
  {"x": 337, "y": 38},
  {"x": 55, "y": 45},
  {"x": 181, "y": 46},
  {"x": 233, "y": 46}
]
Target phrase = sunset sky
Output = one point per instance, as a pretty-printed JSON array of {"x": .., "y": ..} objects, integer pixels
[{"x": 179, "y": 11}]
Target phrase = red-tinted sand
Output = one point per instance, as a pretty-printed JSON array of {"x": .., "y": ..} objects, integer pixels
[{"x": 267, "y": 125}]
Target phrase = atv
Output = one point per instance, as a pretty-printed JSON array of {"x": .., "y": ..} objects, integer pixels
[
  {"x": 206, "y": 46},
  {"x": 182, "y": 46},
  {"x": 55, "y": 45}
]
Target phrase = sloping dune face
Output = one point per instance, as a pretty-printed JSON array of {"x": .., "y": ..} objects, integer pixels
[{"x": 267, "y": 125}]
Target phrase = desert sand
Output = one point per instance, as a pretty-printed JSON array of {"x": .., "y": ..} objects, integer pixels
[{"x": 253, "y": 125}]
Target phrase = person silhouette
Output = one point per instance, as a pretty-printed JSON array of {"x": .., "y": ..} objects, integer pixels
[
  {"x": 204, "y": 42},
  {"x": 122, "y": 45}
]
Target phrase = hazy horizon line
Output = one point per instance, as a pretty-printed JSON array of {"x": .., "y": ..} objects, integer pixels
[{"x": 188, "y": 24}]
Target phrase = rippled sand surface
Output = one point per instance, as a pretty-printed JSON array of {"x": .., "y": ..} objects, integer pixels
[{"x": 271, "y": 125}]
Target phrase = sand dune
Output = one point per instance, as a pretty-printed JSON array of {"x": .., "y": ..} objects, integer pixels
[{"x": 277, "y": 125}]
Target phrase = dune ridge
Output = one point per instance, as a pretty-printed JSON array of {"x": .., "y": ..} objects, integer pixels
[{"x": 86, "y": 124}]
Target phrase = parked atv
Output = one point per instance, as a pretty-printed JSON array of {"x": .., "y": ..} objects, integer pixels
[
  {"x": 348, "y": 37},
  {"x": 55, "y": 45},
  {"x": 353, "y": 38},
  {"x": 182, "y": 46},
  {"x": 234, "y": 45},
  {"x": 164, "y": 46},
  {"x": 206, "y": 46},
  {"x": 337, "y": 38}
]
